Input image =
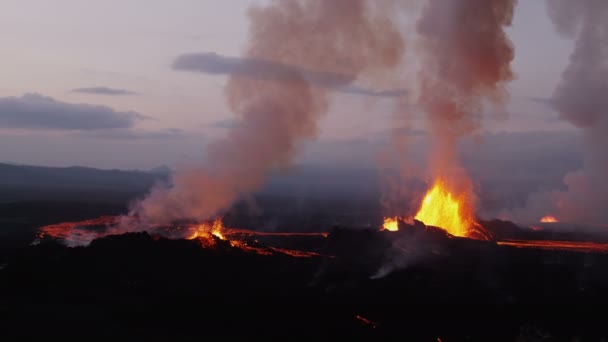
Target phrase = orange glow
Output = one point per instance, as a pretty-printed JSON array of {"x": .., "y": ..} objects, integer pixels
[
  {"x": 298, "y": 254},
  {"x": 391, "y": 224},
  {"x": 575, "y": 246},
  {"x": 207, "y": 235},
  {"x": 204, "y": 230},
  {"x": 235, "y": 237},
  {"x": 549, "y": 219},
  {"x": 441, "y": 208},
  {"x": 251, "y": 233},
  {"x": 77, "y": 233}
]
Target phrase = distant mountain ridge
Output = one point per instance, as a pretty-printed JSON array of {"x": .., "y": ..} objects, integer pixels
[
  {"x": 75, "y": 176},
  {"x": 26, "y": 182}
]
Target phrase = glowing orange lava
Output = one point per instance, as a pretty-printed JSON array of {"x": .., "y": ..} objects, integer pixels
[
  {"x": 76, "y": 233},
  {"x": 575, "y": 246},
  {"x": 207, "y": 234},
  {"x": 549, "y": 219},
  {"x": 440, "y": 208},
  {"x": 391, "y": 224},
  {"x": 205, "y": 230}
]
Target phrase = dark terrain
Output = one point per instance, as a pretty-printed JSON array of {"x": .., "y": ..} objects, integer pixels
[
  {"x": 417, "y": 284},
  {"x": 136, "y": 287},
  {"x": 33, "y": 196}
]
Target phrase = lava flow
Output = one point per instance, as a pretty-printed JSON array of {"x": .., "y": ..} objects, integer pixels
[
  {"x": 574, "y": 246},
  {"x": 77, "y": 233},
  {"x": 207, "y": 233},
  {"x": 81, "y": 233}
]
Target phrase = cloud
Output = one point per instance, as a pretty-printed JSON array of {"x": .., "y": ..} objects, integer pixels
[
  {"x": 225, "y": 123},
  {"x": 399, "y": 131},
  {"x": 104, "y": 91},
  {"x": 130, "y": 134},
  {"x": 214, "y": 64},
  {"x": 35, "y": 111}
]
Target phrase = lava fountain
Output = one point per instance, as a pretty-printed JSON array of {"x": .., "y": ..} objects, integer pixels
[
  {"x": 391, "y": 224},
  {"x": 448, "y": 210},
  {"x": 443, "y": 209},
  {"x": 207, "y": 229},
  {"x": 549, "y": 219}
]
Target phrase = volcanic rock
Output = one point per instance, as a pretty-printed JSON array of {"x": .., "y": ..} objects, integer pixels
[{"x": 140, "y": 287}]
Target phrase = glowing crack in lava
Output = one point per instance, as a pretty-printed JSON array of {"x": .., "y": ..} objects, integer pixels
[
  {"x": 549, "y": 219},
  {"x": 440, "y": 208},
  {"x": 391, "y": 224}
]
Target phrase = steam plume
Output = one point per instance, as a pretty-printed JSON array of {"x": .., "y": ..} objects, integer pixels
[
  {"x": 341, "y": 37},
  {"x": 582, "y": 99},
  {"x": 466, "y": 61}
]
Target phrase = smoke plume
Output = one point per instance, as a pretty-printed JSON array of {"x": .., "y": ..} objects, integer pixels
[
  {"x": 582, "y": 99},
  {"x": 466, "y": 62},
  {"x": 338, "y": 37}
]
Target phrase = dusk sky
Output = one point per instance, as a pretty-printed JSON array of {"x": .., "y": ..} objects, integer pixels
[{"x": 66, "y": 58}]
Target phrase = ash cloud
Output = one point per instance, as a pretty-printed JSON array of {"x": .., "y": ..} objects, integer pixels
[
  {"x": 104, "y": 91},
  {"x": 289, "y": 40},
  {"x": 269, "y": 70},
  {"x": 35, "y": 111},
  {"x": 467, "y": 57},
  {"x": 581, "y": 99}
]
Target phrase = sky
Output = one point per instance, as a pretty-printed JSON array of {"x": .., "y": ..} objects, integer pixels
[{"x": 113, "y": 62}]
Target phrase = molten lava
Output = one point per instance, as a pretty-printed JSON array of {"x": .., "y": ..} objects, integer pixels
[
  {"x": 441, "y": 208},
  {"x": 575, "y": 246},
  {"x": 207, "y": 234},
  {"x": 76, "y": 233},
  {"x": 549, "y": 219},
  {"x": 206, "y": 230},
  {"x": 391, "y": 224}
]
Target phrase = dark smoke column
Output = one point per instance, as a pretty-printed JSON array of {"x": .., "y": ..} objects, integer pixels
[
  {"x": 466, "y": 58},
  {"x": 333, "y": 37},
  {"x": 582, "y": 99}
]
